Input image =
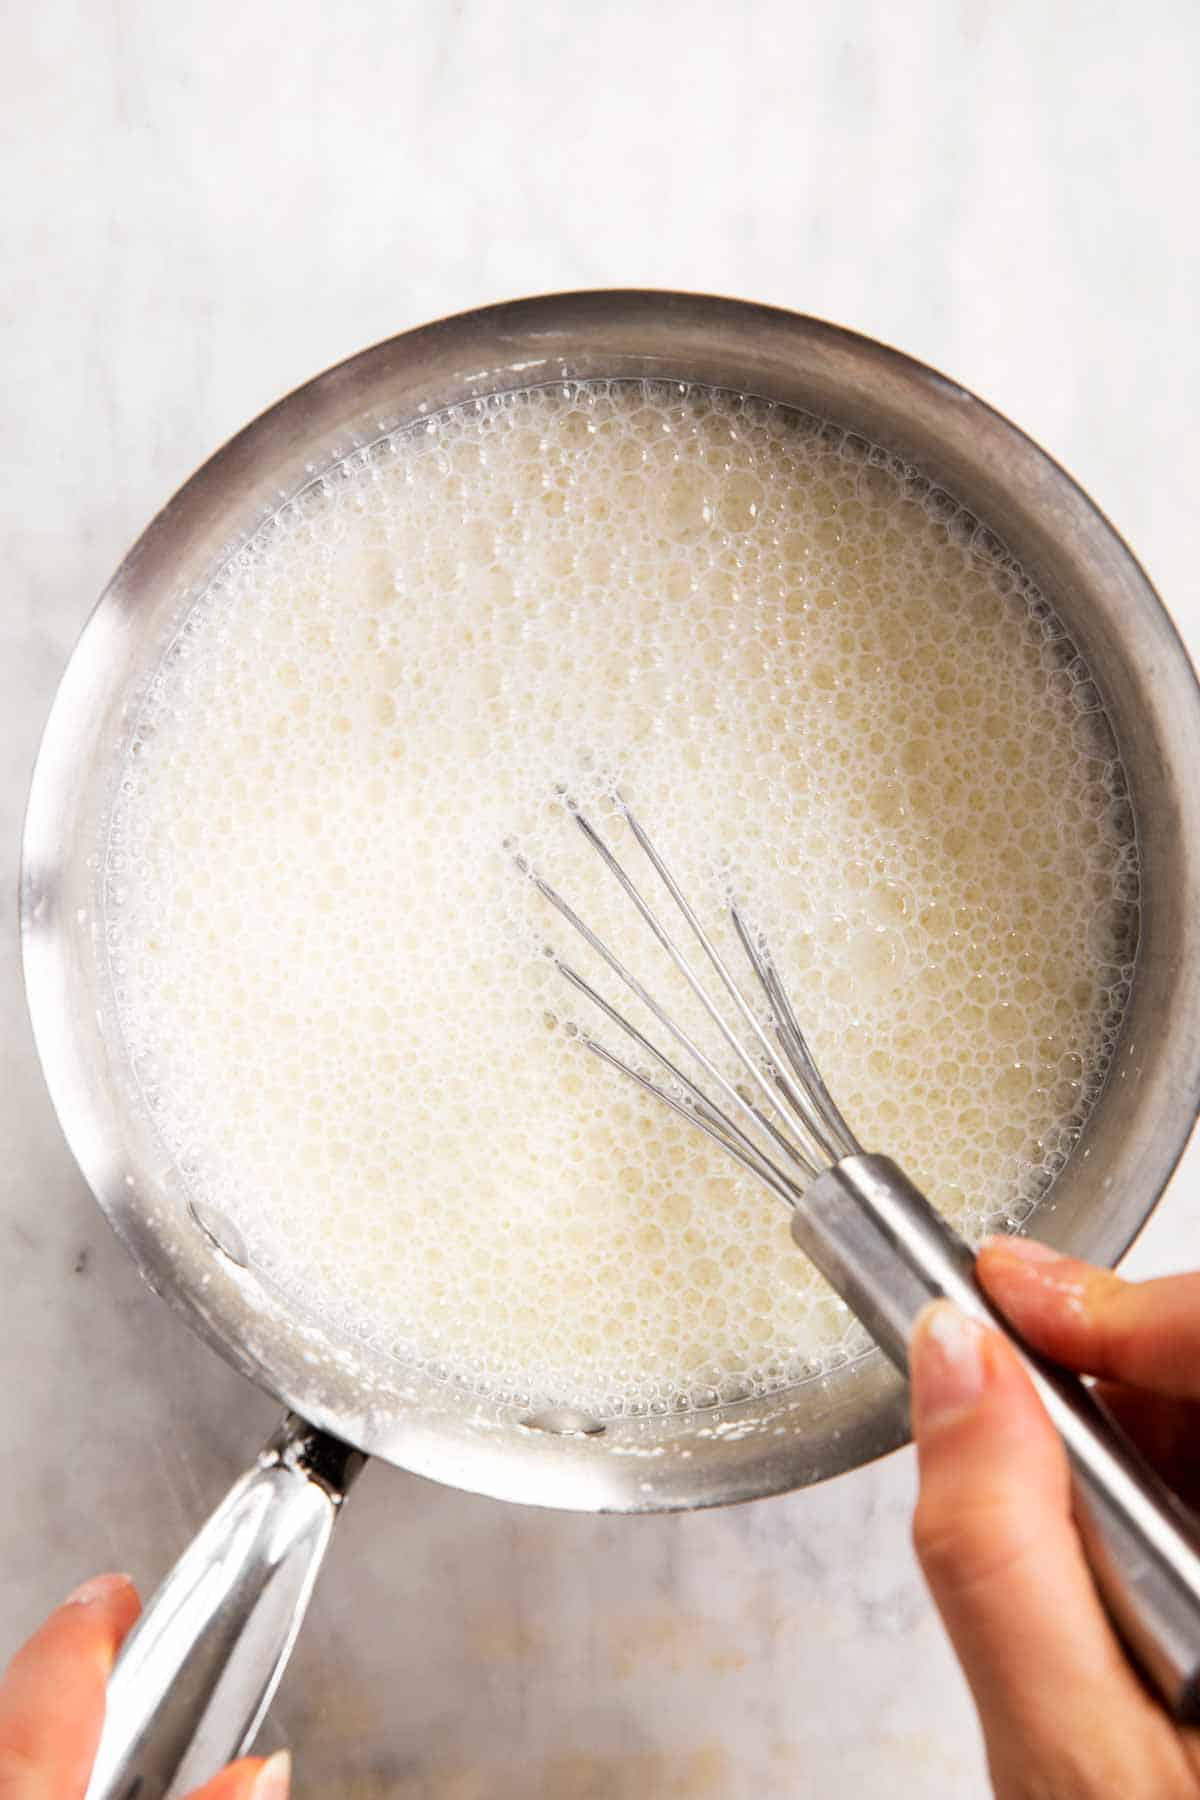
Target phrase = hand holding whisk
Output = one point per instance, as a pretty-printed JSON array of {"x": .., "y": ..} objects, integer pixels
[{"x": 880, "y": 1243}]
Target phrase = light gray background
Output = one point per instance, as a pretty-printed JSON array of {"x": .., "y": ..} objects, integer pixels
[{"x": 202, "y": 207}]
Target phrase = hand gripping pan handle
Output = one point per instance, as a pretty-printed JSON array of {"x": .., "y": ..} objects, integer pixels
[{"x": 201, "y": 1666}]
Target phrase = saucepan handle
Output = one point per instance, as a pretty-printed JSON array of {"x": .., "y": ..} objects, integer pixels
[
  {"x": 200, "y": 1668},
  {"x": 876, "y": 1238}
]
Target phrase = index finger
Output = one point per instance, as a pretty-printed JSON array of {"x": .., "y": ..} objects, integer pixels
[
  {"x": 52, "y": 1697},
  {"x": 1145, "y": 1334}
]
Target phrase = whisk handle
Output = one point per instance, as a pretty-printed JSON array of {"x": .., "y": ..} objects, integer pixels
[{"x": 879, "y": 1242}]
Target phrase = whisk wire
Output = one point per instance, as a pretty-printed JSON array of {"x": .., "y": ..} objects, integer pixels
[
  {"x": 798, "y": 1098},
  {"x": 795, "y": 1045},
  {"x": 806, "y": 1165},
  {"x": 780, "y": 1095},
  {"x": 816, "y": 1134},
  {"x": 713, "y": 1124},
  {"x": 699, "y": 1100}
]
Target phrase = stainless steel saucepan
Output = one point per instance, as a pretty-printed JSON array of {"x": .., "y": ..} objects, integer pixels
[{"x": 199, "y": 1671}]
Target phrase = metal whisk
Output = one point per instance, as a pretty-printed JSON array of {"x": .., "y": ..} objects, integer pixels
[
  {"x": 784, "y": 1072},
  {"x": 886, "y": 1251}
]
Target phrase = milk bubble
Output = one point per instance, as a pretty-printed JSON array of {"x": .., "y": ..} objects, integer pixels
[{"x": 824, "y": 686}]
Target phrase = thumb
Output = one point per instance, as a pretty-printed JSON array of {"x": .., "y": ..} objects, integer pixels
[
  {"x": 52, "y": 1704},
  {"x": 250, "y": 1779},
  {"x": 994, "y": 1534},
  {"x": 52, "y": 1697}
]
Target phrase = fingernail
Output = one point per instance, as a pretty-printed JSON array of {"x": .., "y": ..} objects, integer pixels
[
  {"x": 100, "y": 1587},
  {"x": 948, "y": 1364},
  {"x": 1025, "y": 1249},
  {"x": 274, "y": 1779}
]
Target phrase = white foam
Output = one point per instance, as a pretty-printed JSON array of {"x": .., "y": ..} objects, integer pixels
[{"x": 819, "y": 683}]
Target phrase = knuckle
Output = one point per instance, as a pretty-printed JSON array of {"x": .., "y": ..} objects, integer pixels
[
  {"x": 20, "y": 1774},
  {"x": 1092, "y": 1768},
  {"x": 968, "y": 1550}
]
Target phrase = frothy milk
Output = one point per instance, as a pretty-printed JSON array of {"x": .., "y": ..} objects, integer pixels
[{"x": 823, "y": 686}]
